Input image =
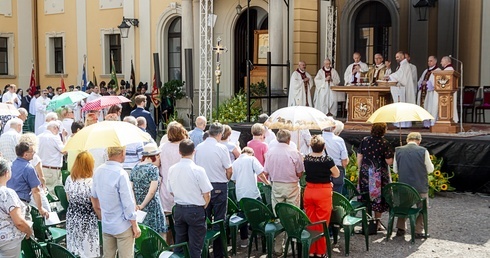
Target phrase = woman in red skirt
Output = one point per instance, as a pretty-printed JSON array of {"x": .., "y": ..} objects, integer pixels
[{"x": 318, "y": 193}]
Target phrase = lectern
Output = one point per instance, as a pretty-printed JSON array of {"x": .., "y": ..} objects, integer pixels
[{"x": 446, "y": 84}]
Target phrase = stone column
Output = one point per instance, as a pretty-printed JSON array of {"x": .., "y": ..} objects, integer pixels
[{"x": 276, "y": 46}]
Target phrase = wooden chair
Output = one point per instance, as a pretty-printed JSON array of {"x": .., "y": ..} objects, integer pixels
[{"x": 485, "y": 105}]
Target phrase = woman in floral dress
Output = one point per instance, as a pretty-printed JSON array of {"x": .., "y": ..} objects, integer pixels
[
  {"x": 374, "y": 155},
  {"x": 145, "y": 181},
  {"x": 82, "y": 231}
]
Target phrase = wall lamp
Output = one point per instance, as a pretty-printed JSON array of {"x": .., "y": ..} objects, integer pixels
[
  {"x": 423, "y": 8},
  {"x": 125, "y": 25}
]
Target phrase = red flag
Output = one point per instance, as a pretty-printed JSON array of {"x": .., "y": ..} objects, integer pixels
[
  {"x": 32, "y": 84},
  {"x": 63, "y": 87},
  {"x": 155, "y": 93}
]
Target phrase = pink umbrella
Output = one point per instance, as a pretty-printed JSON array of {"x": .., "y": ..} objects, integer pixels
[{"x": 104, "y": 101}]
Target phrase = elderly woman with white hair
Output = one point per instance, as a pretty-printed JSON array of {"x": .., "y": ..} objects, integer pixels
[{"x": 14, "y": 227}]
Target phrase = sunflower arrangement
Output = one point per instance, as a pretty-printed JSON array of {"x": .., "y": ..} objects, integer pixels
[{"x": 438, "y": 181}]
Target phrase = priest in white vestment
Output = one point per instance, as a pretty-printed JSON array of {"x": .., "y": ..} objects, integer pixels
[
  {"x": 414, "y": 71},
  {"x": 41, "y": 103},
  {"x": 405, "y": 90},
  {"x": 10, "y": 97},
  {"x": 448, "y": 66},
  {"x": 427, "y": 97},
  {"x": 325, "y": 99},
  {"x": 354, "y": 71},
  {"x": 300, "y": 87}
]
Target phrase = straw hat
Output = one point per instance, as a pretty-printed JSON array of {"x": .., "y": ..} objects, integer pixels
[{"x": 151, "y": 149}]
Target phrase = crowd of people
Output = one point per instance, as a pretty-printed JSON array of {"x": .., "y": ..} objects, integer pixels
[
  {"x": 317, "y": 92},
  {"x": 187, "y": 173}
]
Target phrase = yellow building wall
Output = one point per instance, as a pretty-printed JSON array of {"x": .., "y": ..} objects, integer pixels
[
  {"x": 470, "y": 41},
  {"x": 305, "y": 34},
  {"x": 62, "y": 22},
  {"x": 98, "y": 20},
  {"x": 8, "y": 24}
]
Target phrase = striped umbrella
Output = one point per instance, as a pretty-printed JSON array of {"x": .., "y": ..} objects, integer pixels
[{"x": 104, "y": 101}]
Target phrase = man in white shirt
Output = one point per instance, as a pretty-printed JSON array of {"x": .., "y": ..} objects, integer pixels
[
  {"x": 9, "y": 139},
  {"x": 22, "y": 116},
  {"x": 11, "y": 97},
  {"x": 51, "y": 154},
  {"x": 214, "y": 157},
  {"x": 190, "y": 186},
  {"x": 354, "y": 71},
  {"x": 51, "y": 116}
]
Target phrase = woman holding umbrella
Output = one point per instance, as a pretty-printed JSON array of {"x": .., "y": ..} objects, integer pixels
[{"x": 373, "y": 157}]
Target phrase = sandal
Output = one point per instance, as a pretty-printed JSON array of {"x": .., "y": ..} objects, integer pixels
[{"x": 380, "y": 226}]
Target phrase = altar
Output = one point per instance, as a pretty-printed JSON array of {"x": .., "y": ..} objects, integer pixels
[{"x": 362, "y": 101}]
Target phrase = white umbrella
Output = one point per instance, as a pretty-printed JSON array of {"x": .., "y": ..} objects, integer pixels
[{"x": 299, "y": 118}]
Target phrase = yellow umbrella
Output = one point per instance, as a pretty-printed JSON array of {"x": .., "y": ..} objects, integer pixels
[
  {"x": 399, "y": 112},
  {"x": 299, "y": 118},
  {"x": 106, "y": 134}
]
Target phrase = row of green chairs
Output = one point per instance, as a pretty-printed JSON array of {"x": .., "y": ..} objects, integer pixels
[
  {"x": 404, "y": 202},
  {"x": 32, "y": 249}
]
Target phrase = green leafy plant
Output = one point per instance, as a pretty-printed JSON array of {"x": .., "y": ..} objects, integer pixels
[
  {"x": 258, "y": 89},
  {"x": 173, "y": 90},
  {"x": 234, "y": 110}
]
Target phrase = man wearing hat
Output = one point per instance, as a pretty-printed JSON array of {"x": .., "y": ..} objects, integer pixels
[
  {"x": 190, "y": 186},
  {"x": 50, "y": 92},
  {"x": 412, "y": 163}
]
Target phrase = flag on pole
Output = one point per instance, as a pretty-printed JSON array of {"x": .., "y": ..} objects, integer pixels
[
  {"x": 84, "y": 77},
  {"x": 155, "y": 93},
  {"x": 93, "y": 75},
  {"x": 63, "y": 87},
  {"x": 32, "y": 83},
  {"x": 113, "y": 75},
  {"x": 133, "y": 85}
]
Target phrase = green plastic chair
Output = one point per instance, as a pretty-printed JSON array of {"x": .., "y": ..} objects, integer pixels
[
  {"x": 231, "y": 191},
  {"x": 59, "y": 251},
  {"x": 404, "y": 202},
  {"x": 233, "y": 226},
  {"x": 212, "y": 234},
  {"x": 297, "y": 224},
  {"x": 59, "y": 190},
  {"x": 343, "y": 215},
  {"x": 46, "y": 233},
  {"x": 351, "y": 193},
  {"x": 150, "y": 244},
  {"x": 64, "y": 175},
  {"x": 266, "y": 195},
  {"x": 32, "y": 249},
  {"x": 171, "y": 224},
  {"x": 261, "y": 221}
]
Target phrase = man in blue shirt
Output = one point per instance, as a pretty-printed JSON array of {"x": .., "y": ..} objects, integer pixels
[
  {"x": 335, "y": 147},
  {"x": 196, "y": 135},
  {"x": 24, "y": 179},
  {"x": 113, "y": 197},
  {"x": 140, "y": 102}
]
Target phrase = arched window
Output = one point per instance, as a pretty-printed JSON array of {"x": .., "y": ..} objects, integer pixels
[
  {"x": 174, "y": 50},
  {"x": 373, "y": 31}
]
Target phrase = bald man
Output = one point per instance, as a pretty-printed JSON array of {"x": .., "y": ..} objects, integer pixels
[
  {"x": 426, "y": 96},
  {"x": 196, "y": 135}
]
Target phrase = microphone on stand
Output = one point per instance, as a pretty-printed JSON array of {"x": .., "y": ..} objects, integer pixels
[{"x": 460, "y": 94}]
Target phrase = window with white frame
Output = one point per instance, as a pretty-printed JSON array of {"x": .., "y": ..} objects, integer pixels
[
  {"x": 55, "y": 53},
  {"x": 4, "y": 56},
  {"x": 112, "y": 51}
]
